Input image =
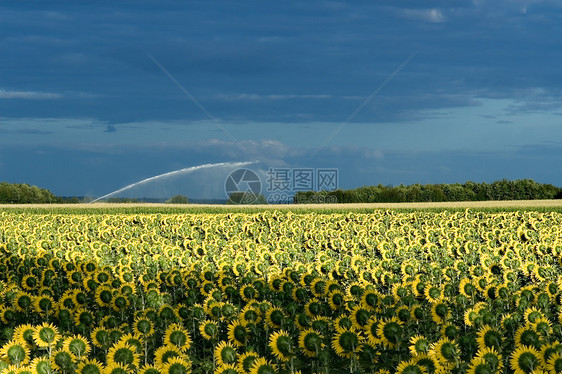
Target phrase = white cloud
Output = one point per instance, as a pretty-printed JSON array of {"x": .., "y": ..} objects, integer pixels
[
  {"x": 29, "y": 95},
  {"x": 427, "y": 15}
]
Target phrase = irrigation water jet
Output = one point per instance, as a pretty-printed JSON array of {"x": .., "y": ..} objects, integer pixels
[{"x": 175, "y": 172}]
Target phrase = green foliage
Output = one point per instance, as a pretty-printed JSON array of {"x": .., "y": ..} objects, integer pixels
[
  {"x": 11, "y": 193},
  {"x": 178, "y": 199},
  {"x": 523, "y": 189}
]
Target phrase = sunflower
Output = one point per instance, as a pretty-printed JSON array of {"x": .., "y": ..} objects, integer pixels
[
  {"x": 29, "y": 282},
  {"x": 177, "y": 335},
  {"x": 101, "y": 338},
  {"x": 479, "y": 366},
  {"x": 525, "y": 360},
  {"x": 23, "y": 301},
  {"x": 467, "y": 288},
  {"x": 430, "y": 363},
  {"x": 336, "y": 299},
  {"x": 123, "y": 354},
  {"x": 46, "y": 335},
  {"x": 321, "y": 324},
  {"x": 90, "y": 366},
  {"x": 209, "y": 330},
  {"x": 551, "y": 349},
  {"x": 177, "y": 365},
  {"x": 238, "y": 333},
  {"x": 543, "y": 326},
  {"x": 225, "y": 353},
  {"x": 63, "y": 360},
  {"x": 167, "y": 314},
  {"x": 533, "y": 314},
  {"x": 445, "y": 351},
  {"x": 528, "y": 336},
  {"x": 246, "y": 360},
  {"x": 116, "y": 369},
  {"x": 417, "y": 312},
  {"x": 83, "y": 317},
  {"x": 310, "y": 342},
  {"x": 372, "y": 331},
  {"x": 248, "y": 293},
  {"x": 390, "y": 332},
  {"x": 250, "y": 315},
  {"x": 144, "y": 327},
  {"x": 15, "y": 353},
  {"x": 433, "y": 293},
  {"x": 343, "y": 322},
  {"x": 360, "y": 317},
  {"x": 77, "y": 345},
  {"x": 419, "y": 345},
  {"x": 149, "y": 369},
  {"x": 40, "y": 365},
  {"x": 313, "y": 308},
  {"x": 410, "y": 367},
  {"x": 24, "y": 333},
  {"x": 370, "y": 299},
  {"x": 347, "y": 343},
  {"x": 440, "y": 311},
  {"x": 274, "y": 317},
  {"x": 489, "y": 337},
  {"x": 554, "y": 363},
  {"x": 282, "y": 346},
  {"x": 120, "y": 302},
  {"x": 355, "y": 291},
  {"x": 262, "y": 366}
]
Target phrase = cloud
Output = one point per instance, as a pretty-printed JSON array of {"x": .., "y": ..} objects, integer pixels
[
  {"x": 29, "y": 95},
  {"x": 427, "y": 15}
]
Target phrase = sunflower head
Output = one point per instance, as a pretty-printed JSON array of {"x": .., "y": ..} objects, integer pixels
[
  {"x": 246, "y": 360},
  {"x": 310, "y": 342},
  {"x": 101, "y": 338},
  {"x": 77, "y": 345},
  {"x": 209, "y": 330},
  {"x": 177, "y": 335},
  {"x": 554, "y": 363},
  {"x": 419, "y": 345},
  {"x": 390, "y": 331},
  {"x": 262, "y": 366},
  {"x": 347, "y": 343},
  {"x": 90, "y": 366},
  {"x": 410, "y": 367},
  {"x": 282, "y": 345},
  {"x": 63, "y": 360},
  {"x": 225, "y": 353},
  {"x": 15, "y": 353},
  {"x": 525, "y": 360},
  {"x": 123, "y": 354},
  {"x": 489, "y": 338},
  {"x": 177, "y": 365},
  {"x": 238, "y": 333},
  {"x": 46, "y": 335}
]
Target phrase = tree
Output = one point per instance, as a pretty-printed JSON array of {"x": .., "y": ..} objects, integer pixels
[{"x": 178, "y": 199}]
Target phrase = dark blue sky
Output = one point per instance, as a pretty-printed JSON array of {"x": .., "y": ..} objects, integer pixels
[{"x": 463, "y": 90}]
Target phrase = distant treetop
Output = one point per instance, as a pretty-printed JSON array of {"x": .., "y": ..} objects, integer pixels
[{"x": 11, "y": 193}]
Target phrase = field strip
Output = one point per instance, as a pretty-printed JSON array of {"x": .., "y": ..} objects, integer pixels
[{"x": 351, "y": 206}]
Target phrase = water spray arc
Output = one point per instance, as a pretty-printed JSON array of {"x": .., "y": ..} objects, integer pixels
[{"x": 172, "y": 173}]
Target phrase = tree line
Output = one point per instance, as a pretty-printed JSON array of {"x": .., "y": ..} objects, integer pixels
[
  {"x": 12, "y": 193},
  {"x": 523, "y": 189}
]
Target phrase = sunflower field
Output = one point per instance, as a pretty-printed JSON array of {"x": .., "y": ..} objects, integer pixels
[{"x": 280, "y": 292}]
